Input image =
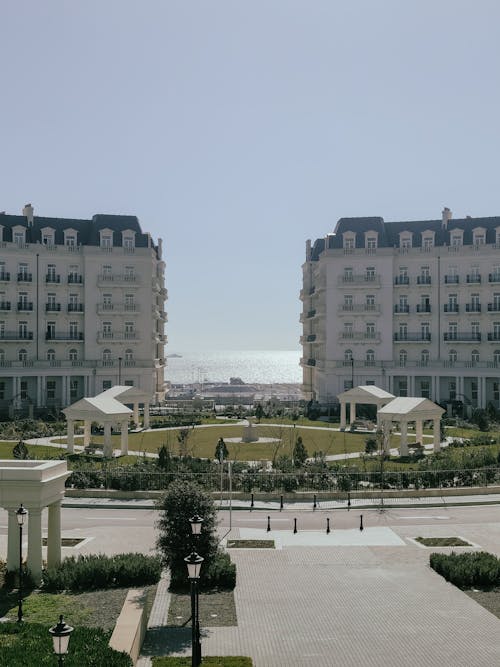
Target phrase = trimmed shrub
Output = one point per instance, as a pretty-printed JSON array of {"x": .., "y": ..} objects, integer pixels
[
  {"x": 469, "y": 570},
  {"x": 87, "y": 573}
]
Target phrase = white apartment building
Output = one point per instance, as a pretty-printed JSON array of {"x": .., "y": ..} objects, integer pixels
[
  {"x": 81, "y": 309},
  {"x": 413, "y": 307}
]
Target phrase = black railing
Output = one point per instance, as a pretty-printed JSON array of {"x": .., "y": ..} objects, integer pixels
[
  {"x": 24, "y": 277},
  {"x": 462, "y": 337},
  {"x": 52, "y": 278},
  {"x": 424, "y": 280},
  {"x": 451, "y": 307},
  {"x": 25, "y": 305},
  {"x": 473, "y": 307},
  {"x": 53, "y": 307}
]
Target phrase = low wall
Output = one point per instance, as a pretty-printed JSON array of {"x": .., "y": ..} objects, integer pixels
[{"x": 130, "y": 627}]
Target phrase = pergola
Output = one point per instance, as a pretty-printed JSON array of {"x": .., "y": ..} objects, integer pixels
[
  {"x": 407, "y": 409},
  {"x": 365, "y": 394}
]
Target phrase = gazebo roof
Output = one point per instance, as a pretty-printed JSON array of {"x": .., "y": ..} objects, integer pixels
[
  {"x": 404, "y": 406},
  {"x": 126, "y": 394},
  {"x": 366, "y": 394},
  {"x": 97, "y": 408}
]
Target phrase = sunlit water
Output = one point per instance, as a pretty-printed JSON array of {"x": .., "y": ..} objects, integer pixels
[{"x": 262, "y": 366}]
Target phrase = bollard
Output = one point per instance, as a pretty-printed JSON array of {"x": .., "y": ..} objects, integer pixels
[
  {"x": 268, "y": 524},
  {"x": 327, "y": 525},
  {"x": 348, "y": 501},
  {"x": 281, "y": 503},
  {"x": 314, "y": 503},
  {"x": 295, "y": 525},
  {"x": 361, "y": 522},
  {"x": 251, "y": 502}
]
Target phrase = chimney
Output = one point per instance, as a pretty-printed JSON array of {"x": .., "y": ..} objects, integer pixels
[
  {"x": 28, "y": 212},
  {"x": 447, "y": 215}
]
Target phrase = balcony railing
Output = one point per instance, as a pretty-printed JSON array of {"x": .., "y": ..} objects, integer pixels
[
  {"x": 24, "y": 277},
  {"x": 75, "y": 279},
  {"x": 360, "y": 335},
  {"x": 451, "y": 280},
  {"x": 472, "y": 307},
  {"x": 359, "y": 308},
  {"x": 470, "y": 336},
  {"x": 311, "y": 338},
  {"x": 52, "y": 278},
  {"x": 494, "y": 307},
  {"x": 473, "y": 279},
  {"x": 401, "y": 280},
  {"x": 311, "y": 362},
  {"x": 423, "y": 308},
  {"x": 75, "y": 307},
  {"x": 402, "y": 309},
  {"x": 52, "y": 307},
  {"x": 4, "y": 305},
  {"x": 451, "y": 307},
  {"x": 362, "y": 279},
  {"x": 494, "y": 277},
  {"x": 16, "y": 335},
  {"x": 24, "y": 306},
  {"x": 495, "y": 336},
  {"x": 68, "y": 335},
  {"x": 424, "y": 280},
  {"x": 412, "y": 337},
  {"x": 5, "y": 277},
  {"x": 108, "y": 278}
]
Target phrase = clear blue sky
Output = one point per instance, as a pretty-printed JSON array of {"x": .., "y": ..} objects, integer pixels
[{"x": 236, "y": 130}]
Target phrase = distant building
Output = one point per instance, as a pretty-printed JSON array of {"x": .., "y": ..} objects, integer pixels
[
  {"x": 413, "y": 307},
  {"x": 81, "y": 309}
]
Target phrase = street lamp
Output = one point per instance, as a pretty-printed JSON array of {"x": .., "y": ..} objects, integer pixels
[
  {"x": 119, "y": 370},
  {"x": 60, "y": 638},
  {"x": 196, "y": 522},
  {"x": 193, "y": 562},
  {"x": 20, "y": 515}
]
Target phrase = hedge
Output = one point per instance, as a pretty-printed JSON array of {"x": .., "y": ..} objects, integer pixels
[{"x": 478, "y": 569}]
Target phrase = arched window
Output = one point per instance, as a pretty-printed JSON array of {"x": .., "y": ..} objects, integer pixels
[
  {"x": 474, "y": 356},
  {"x": 403, "y": 356},
  {"x": 424, "y": 357},
  {"x": 348, "y": 356},
  {"x": 129, "y": 355},
  {"x": 73, "y": 354},
  {"x": 106, "y": 356},
  {"x": 22, "y": 355},
  {"x": 452, "y": 356},
  {"x": 51, "y": 355},
  {"x": 370, "y": 357},
  {"x": 496, "y": 357}
]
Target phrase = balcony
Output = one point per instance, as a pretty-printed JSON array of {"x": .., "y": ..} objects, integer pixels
[
  {"x": 473, "y": 307},
  {"x": 311, "y": 362},
  {"x": 360, "y": 335},
  {"x": 118, "y": 279},
  {"x": 401, "y": 280},
  {"x": 24, "y": 277},
  {"x": 412, "y": 337},
  {"x": 359, "y": 308},
  {"x": 469, "y": 337},
  {"x": 450, "y": 307},
  {"x": 310, "y": 313},
  {"x": 423, "y": 308},
  {"x": 52, "y": 278},
  {"x": 424, "y": 280},
  {"x": 495, "y": 336},
  {"x": 360, "y": 280},
  {"x": 52, "y": 307},
  {"x": 4, "y": 277},
  {"x": 4, "y": 305},
  {"x": 68, "y": 335},
  {"x": 24, "y": 306},
  {"x": 494, "y": 307},
  {"x": 16, "y": 335},
  {"x": 473, "y": 279},
  {"x": 75, "y": 279},
  {"x": 451, "y": 280},
  {"x": 494, "y": 277},
  {"x": 118, "y": 308},
  {"x": 402, "y": 309},
  {"x": 75, "y": 307}
]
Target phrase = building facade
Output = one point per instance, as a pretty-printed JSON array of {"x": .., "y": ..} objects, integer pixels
[
  {"x": 81, "y": 309},
  {"x": 413, "y": 307}
]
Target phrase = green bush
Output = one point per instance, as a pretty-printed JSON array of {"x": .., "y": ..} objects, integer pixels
[
  {"x": 87, "y": 573},
  {"x": 468, "y": 570},
  {"x": 30, "y": 644}
]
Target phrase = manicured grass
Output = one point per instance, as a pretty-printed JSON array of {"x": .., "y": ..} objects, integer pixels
[
  {"x": 35, "y": 451},
  {"x": 250, "y": 544},
  {"x": 208, "y": 661},
  {"x": 490, "y": 600},
  {"x": 217, "y": 609},
  {"x": 442, "y": 542}
]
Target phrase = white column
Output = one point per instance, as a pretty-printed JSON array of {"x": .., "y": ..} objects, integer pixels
[
  {"x": 35, "y": 543},
  {"x": 63, "y": 390},
  {"x": 39, "y": 391},
  {"x": 352, "y": 412},
  {"x": 86, "y": 432},
  {"x": 419, "y": 431},
  {"x": 386, "y": 426},
  {"x": 108, "y": 445},
  {"x": 403, "y": 447},
  {"x": 54, "y": 535},
  {"x": 71, "y": 436},
  {"x": 146, "y": 415},
  {"x": 124, "y": 437},
  {"x": 437, "y": 434},
  {"x": 483, "y": 393},
  {"x": 342, "y": 415},
  {"x": 13, "y": 541},
  {"x": 136, "y": 414}
]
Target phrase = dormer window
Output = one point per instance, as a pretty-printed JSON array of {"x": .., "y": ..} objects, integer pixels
[
  {"x": 479, "y": 236},
  {"x": 1, "y": 232},
  {"x": 405, "y": 240},
  {"x": 106, "y": 238},
  {"x": 349, "y": 240},
  {"x": 497, "y": 236},
  {"x": 456, "y": 237},
  {"x": 19, "y": 235},
  {"x": 427, "y": 239},
  {"x": 48, "y": 236},
  {"x": 371, "y": 239},
  {"x": 70, "y": 237},
  {"x": 128, "y": 240}
]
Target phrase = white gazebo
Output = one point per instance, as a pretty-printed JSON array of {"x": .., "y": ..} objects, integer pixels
[
  {"x": 131, "y": 396},
  {"x": 35, "y": 484},
  {"x": 407, "y": 409},
  {"x": 364, "y": 394}
]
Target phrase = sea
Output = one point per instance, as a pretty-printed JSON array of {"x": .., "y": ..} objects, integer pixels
[{"x": 252, "y": 366}]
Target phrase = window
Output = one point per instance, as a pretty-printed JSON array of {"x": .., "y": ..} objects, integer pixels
[
  {"x": 348, "y": 275},
  {"x": 425, "y": 275},
  {"x": 106, "y": 270},
  {"x": 425, "y": 330},
  {"x": 370, "y": 273},
  {"x": 73, "y": 300},
  {"x": 24, "y": 390},
  {"x": 51, "y": 389},
  {"x": 73, "y": 354},
  {"x": 348, "y": 356},
  {"x": 106, "y": 239},
  {"x": 23, "y": 271},
  {"x": 473, "y": 390},
  {"x": 23, "y": 329},
  {"x": 475, "y": 330},
  {"x": 48, "y": 238},
  {"x": 129, "y": 383},
  {"x": 424, "y": 357},
  {"x": 73, "y": 330},
  {"x": 428, "y": 242},
  {"x": 404, "y": 241},
  {"x": 474, "y": 300},
  {"x": 403, "y": 303},
  {"x": 129, "y": 273},
  {"x": 106, "y": 356},
  {"x": 403, "y": 387},
  {"x": 452, "y": 356},
  {"x": 2, "y": 328},
  {"x": 129, "y": 355},
  {"x": 51, "y": 301},
  {"x": 51, "y": 272},
  {"x": 474, "y": 356},
  {"x": 496, "y": 357},
  {"x": 2, "y": 355},
  {"x": 23, "y": 300},
  {"x": 403, "y": 331},
  {"x": 479, "y": 237},
  {"x": 370, "y": 330},
  {"x": 2, "y": 391},
  {"x": 51, "y": 330},
  {"x": 348, "y": 301},
  {"x": 73, "y": 275},
  {"x": 348, "y": 328},
  {"x": 349, "y": 243},
  {"x": 22, "y": 355},
  {"x": 70, "y": 240},
  {"x": 51, "y": 355},
  {"x": 496, "y": 330},
  {"x": 18, "y": 237},
  {"x": 452, "y": 331},
  {"x": 106, "y": 302},
  {"x": 452, "y": 390},
  {"x": 129, "y": 330},
  {"x": 347, "y": 385},
  {"x": 371, "y": 242},
  {"x": 129, "y": 302},
  {"x": 370, "y": 357},
  {"x": 403, "y": 356},
  {"x": 106, "y": 330},
  {"x": 456, "y": 239},
  {"x": 425, "y": 389},
  {"x": 128, "y": 242},
  {"x": 370, "y": 301},
  {"x": 106, "y": 384}
]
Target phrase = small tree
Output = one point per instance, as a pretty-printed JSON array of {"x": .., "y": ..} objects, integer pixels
[
  {"x": 259, "y": 412},
  {"x": 183, "y": 500},
  {"x": 371, "y": 446},
  {"x": 299, "y": 453},
  {"x": 221, "y": 450},
  {"x": 182, "y": 439},
  {"x": 164, "y": 459}
]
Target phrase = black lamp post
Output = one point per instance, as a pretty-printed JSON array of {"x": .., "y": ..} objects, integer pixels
[
  {"x": 60, "y": 638},
  {"x": 21, "y": 515},
  {"x": 196, "y": 522},
  {"x": 119, "y": 370},
  {"x": 193, "y": 562}
]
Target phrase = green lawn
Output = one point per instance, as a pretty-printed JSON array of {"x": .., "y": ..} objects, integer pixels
[{"x": 35, "y": 451}]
